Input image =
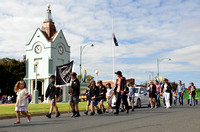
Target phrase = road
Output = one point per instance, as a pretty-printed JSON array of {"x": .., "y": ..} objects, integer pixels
[{"x": 176, "y": 119}]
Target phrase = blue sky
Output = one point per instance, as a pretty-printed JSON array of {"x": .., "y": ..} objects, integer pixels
[{"x": 145, "y": 29}]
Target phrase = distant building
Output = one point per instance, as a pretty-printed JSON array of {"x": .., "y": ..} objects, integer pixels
[{"x": 50, "y": 48}]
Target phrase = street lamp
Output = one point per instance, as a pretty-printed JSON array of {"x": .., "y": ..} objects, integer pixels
[
  {"x": 35, "y": 98},
  {"x": 158, "y": 63},
  {"x": 81, "y": 52},
  {"x": 96, "y": 72}
]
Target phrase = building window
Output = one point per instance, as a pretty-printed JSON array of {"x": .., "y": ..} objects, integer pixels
[{"x": 50, "y": 66}]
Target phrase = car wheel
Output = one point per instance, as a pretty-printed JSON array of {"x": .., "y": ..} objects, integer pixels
[{"x": 139, "y": 103}]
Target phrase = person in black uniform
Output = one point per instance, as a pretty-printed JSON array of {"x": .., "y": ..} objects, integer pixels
[
  {"x": 52, "y": 93},
  {"x": 74, "y": 94},
  {"x": 94, "y": 95},
  {"x": 102, "y": 95},
  {"x": 152, "y": 94},
  {"x": 121, "y": 92}
]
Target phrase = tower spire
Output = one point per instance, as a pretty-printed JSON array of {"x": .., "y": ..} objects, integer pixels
[
  {"x": 48, "y": 27},
  {"x": 49, "y": 16}
]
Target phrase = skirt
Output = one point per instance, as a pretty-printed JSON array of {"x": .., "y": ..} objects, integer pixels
[{"x": 21, "y": 108}]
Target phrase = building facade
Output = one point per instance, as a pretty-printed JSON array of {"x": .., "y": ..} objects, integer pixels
[{"x": 49, "y": 48}]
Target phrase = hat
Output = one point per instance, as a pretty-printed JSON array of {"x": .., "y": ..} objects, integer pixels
[
  {"x": 130, "y": 83},
  {"x": 118, "y": 73},
  {"x": 53, "y": 77},
  {"x": 99, "y": 82}
]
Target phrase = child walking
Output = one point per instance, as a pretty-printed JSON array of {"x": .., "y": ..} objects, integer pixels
[
  {"x": 175, "y": 97},
  {"x": 22, "y": 101},
  {"x": 109, "y": 95}
]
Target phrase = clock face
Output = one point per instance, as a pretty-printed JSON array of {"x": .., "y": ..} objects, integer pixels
[
  {"x": 38, "y": 49},
  {"x": 60, "y": 50}
]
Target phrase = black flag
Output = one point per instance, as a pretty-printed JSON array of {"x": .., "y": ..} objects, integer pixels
[{"x": 63, "y": 73}]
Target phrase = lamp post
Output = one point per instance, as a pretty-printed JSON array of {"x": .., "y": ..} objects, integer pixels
[
  {"x": 96, "y": 72},
  {"x": 158, "y": 64},
  {"x": 81, "y": 52},
  {"x": 35, "y": 98}
]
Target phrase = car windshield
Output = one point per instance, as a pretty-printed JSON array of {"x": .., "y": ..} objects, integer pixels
[{"x": 136, "y": 90}]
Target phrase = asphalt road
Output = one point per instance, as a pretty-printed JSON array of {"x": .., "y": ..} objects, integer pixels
[{"x": 176, "y": 119}]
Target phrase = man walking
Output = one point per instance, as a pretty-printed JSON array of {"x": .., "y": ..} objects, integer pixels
[
  {"x": 180, "y": 91},
  {"x": 51, "y": 92},
  {"x": 74, "y": 94},
  {"x": 121, "y": 91}
]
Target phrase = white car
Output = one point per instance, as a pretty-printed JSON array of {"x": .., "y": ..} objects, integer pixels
[{"x": 141, "y": 98}]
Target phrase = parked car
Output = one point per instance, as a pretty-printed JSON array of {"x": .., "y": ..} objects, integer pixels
[{"x": 141, "y": 98}]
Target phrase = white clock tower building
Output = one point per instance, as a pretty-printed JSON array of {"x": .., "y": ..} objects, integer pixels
[{"x": 49, "y": 48}]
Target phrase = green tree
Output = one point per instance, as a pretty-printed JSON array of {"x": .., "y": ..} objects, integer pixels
[
  {"x": 88, "y": 78},
  {"x": 11, "y": 71}
]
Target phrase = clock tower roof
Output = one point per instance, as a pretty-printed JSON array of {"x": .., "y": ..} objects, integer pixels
[{"x": 48, "y": 27}]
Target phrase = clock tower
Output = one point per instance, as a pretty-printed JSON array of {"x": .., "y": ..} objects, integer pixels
[{"x": 49, "y": 48}]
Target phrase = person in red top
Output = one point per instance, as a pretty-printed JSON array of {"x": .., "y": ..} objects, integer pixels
[
  {"x": 121, "y": 91},
  {"x": 192, "y": 93}
]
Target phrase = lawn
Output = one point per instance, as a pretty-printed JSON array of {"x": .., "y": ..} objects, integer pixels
[{"x": 38, "y": 108}]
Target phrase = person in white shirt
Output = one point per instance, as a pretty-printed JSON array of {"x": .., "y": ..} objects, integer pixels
[
  {"x": 166, "y": 89},
  {"x": 109, "y": 96},
  {"x": 22, "y": 101}
]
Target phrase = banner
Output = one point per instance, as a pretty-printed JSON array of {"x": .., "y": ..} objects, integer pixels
[
  {"x": 63, "y": 73},
  {"x": 84, "y": 75},
  {"x": 186, "y": 94}
]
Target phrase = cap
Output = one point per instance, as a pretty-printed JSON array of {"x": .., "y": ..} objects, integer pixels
[
  {"x": 53, "y": 76},
  {"x": 118, "y": 73}
]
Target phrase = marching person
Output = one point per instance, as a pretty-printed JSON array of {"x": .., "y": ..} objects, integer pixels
[
  {"x": 52, "y": 93},
  {"x": 180, "y": 91},
  {"x": 102, "y": 94},
  {"x": 131, "y": 94},
  {"x": 158, "y": 90},
  {"x": 121, "y": 92},
  {"x": 88, "y": 100},
  {"x": 192, "y": 93},
  {"x": 22, "y": 101},
  {"x": 152, "y": 94},
  {"x": 74, "y": 94},
  {"x": 94, "y": 95},
  {"x": 109, "y": 95},
  {"x": 166, "y": 89}
]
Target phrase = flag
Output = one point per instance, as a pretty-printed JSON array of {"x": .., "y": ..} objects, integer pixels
[
  {"x": 63, "y": 73},
  {"x": 115, "y": 40},
  {"x": 84, "y": 75}
]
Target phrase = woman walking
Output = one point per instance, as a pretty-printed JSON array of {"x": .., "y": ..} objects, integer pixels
[
  {"x": 152, "y": 94},
  {"x": 192, "y": 93},
  {"x": 158, "y": 90},
  {"x": 166, "y": 87}
]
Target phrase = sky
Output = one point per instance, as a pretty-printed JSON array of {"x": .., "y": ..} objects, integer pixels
[{"x": 146, "y": 30}]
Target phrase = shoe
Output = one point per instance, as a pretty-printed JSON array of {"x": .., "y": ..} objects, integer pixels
[
  {"x": 92, "y": 113},
  {"x": 99, "y": 111},
  {"x": 104, "y": 110},
  {"x": 122, "y": 110},
  {"x": 86, "y": 112},
  {"x": 133, "y": 109},
  {"x": 17, "y": 122},
  {"x": 77, "y": 114},
  {"x": 29, "y": 118},
  {"x": 48, "y": 115},
  {"x": 112, "y": 111},
  {"x": 58, "y": 114},
  {"x": 116, "y": 113},
  {"x": 107, "y": 112},
  {"x": 74, "y": 113},
  {"x": 127, "y": 111}
]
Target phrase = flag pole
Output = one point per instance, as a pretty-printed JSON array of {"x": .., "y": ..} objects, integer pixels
[{"x": 113, "y": 53}]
